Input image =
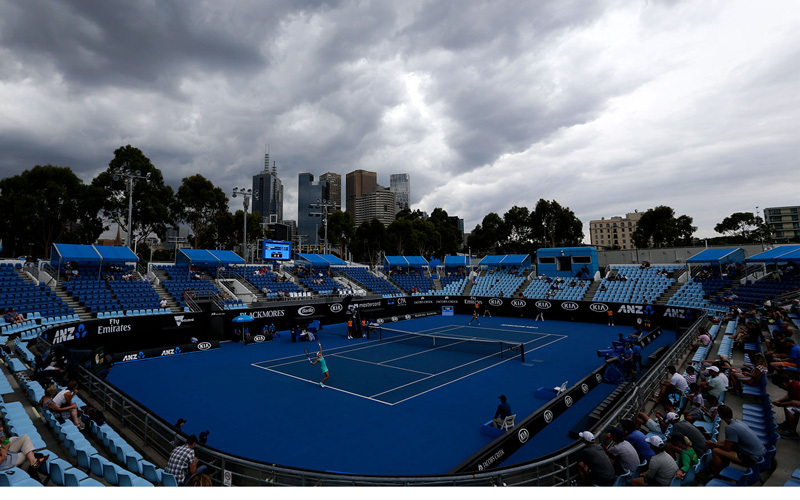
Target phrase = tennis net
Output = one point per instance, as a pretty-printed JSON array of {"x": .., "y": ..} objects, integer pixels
[{"x": 482, "y": 347}]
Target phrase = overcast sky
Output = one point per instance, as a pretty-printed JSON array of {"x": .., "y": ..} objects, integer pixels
[{"x": 606, "y": 107}]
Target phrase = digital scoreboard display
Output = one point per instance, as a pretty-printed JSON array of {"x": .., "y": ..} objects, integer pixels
[{"x": 277, "y": 250}]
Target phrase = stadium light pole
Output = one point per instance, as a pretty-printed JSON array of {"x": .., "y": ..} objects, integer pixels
[
  {"x": 246, "y": 194},
  {"x": 324, "y": 205},
  {"x": 130, "y": 177}
]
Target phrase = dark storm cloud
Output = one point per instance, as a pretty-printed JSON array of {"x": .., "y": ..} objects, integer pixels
[{"x": 127, "y": 44}]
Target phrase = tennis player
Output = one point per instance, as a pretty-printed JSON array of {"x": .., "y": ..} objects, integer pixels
[
  {"x": 323, "y": 366},
  {"x": 475, "y": 318}
]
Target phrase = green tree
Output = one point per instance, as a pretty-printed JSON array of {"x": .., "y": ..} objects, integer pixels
[
  {"x": 742, "y": 227},
  {"x": 154, "y": 208},
  {"x": 369, "y": 241},
  {"x": 201, "y": 203},
  {"x": 557, "y": 225},
  {"x": 518, "y": 230},
  {"x": 448, "y": 237},
  {"x": 488, "y": 235},
  {"x": 341, "y": 230},
  {"x": 46, "y": 205},
  {"x": 658, "y": 227}
]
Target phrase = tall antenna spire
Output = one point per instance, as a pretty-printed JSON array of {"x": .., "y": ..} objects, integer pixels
[
  {"x": 266, "y": 157},
  {"x": 274, "y": 168}
]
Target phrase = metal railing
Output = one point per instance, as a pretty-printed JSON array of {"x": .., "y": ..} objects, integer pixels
[{"x": 554, "y": 470}]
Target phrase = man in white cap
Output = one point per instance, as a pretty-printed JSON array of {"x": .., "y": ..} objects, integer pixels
[
  {"x": 594, "y": 467},
  {"x": 715, "y": 385},
  {"x": 661, "y": 468},
  {"x": 659, "y": 424}
]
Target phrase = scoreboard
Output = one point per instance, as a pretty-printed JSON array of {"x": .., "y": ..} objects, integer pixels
[{"x": 276, "y": 250}]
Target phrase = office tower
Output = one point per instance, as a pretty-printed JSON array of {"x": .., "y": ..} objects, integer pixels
[
  {"x": 268, "y": 191},
  {"x": 379, "y": 204},
  {"x": 358, "y": 183},
  {"x": 333, "y": 191},
  {"x": 401, "y": 185},
  {"x": 309, "y": 193}
]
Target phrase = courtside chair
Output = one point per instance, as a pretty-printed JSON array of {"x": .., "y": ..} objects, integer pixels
[{"x": 508, "y": 422}]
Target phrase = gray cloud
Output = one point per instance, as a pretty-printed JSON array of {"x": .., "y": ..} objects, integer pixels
[{"x": 605, "y": 107}]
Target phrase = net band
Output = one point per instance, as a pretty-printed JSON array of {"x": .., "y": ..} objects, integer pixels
[{"x": 482, "y": 347}]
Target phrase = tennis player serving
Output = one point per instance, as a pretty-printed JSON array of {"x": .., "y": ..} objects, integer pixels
[{"x": 322, "y": 365}]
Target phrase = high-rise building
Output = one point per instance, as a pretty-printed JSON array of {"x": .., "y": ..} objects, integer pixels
[
  {"x": 401, "y": 185},
  {"x": 358, "y": 183},
  {"x": 309, "y": 221},
  {"x": 333, "y": 191},
  {"x": 379, "y": 204},
  {"x": 616, "y": 232},
  {"x": 784, "y": 223},
  {"x": 268, "y": 193}
]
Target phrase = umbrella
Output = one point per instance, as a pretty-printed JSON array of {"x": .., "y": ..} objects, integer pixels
[{"x": 243, "y": 318}]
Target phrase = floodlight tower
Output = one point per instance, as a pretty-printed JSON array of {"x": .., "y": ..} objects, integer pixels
[
  {"x": 324, "y": 205},
  {"x": 130, "y": 177},
  {"x": 246, "y": 194}
]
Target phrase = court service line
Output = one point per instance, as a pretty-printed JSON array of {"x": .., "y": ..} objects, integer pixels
[
  {"x": 441, "y": 373},
  {"x": 327, "y": 386},
  {"x": 446, "y": 383},
  {"x": 380, "y": 364}
]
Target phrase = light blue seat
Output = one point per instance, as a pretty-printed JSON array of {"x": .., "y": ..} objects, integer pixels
[
  {"x": 59, "y": 469},
  {"x": 168, "y": 479},
  {"x": 112, "y": 472},
  {"x": 131, "y": 480},
  {"x": 97, "y": 463},
  {"x": 150, "y": 471},
  {"x": 71, "y": 480}
]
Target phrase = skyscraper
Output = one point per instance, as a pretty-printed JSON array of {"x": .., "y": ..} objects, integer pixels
[
  {"x": 268, "y": 190},
  {"x": 333, "y": 191},
  {"x": 379, "y": 204},
  {"x": 358, "y": 183},
  {"x": 401, "y": 185},
  {"x": 308, "y": 193}
]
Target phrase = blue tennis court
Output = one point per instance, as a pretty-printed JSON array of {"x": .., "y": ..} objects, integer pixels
[{"x": 389, "y": 408}]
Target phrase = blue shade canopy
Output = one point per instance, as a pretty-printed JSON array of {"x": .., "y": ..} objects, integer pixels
[
  {"x": 456, "y": 260},
  {"x": 316, "y": 259},
  {"x": 226, "y": 257},
  {"x": 66, "y": 252},
  {"x": 402, "y": 261},
  {"x": 192, "y": 256},
  {"x": 116, "y": 254},
  {"x": 786, "y": 253},
  {"x": 243, "y": 318},
  {"x": 523, "y": 261},
  {"x": 717, "y": 255}
]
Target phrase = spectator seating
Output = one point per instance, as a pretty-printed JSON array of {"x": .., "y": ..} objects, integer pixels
[
  {"x": 538, "y": 289},
  {"x": 451, "y": 285},
  {"x": 179, "y": 280},
  {"x": 366, "y": 279},
  {"x": 26, "y": 298},
  {"x": 639, "y": 286},
  {"x": 496, "y": 283},
  {"x": 691, "y": 294},
  {"x": 412, "y": 280},
  {"x": 270, "y": 281}
]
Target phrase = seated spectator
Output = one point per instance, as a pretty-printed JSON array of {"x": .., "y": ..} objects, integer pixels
[
  {"x": 163, "y": 304},
  {"x": 594, "y": 466},
  {"x": 707, "y": 413},
  {"x": 741, "y": 445},
  {"x": 16, "y": 451},
  {"x": 659, "y": 424},
  {"x": 704, "y": 337},
  {"x": 675, "y": 386},
  {"x": 695, "y": 397},
  {"x": 660, "y": 469},
  {"x": 792, "y": 358},
  {"x": 715, "y": 385},
  {"x": 60, "y": 403},
  {"x": 749, "y": 374},
  {"x": 635, "y": 437},
  {"x": 182, "y": 462},
  {"x": 690, "y": 375},
  {"x": 622, "y": 453},
  {"x": 790, "y": 404},
  {"x": 686, "y": 455},
  {"x": 691, "y": 432}
]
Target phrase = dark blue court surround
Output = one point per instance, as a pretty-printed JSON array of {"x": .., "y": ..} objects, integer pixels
[{"x": 388, "y": 410}]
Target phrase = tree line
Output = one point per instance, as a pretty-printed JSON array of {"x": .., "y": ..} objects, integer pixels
[{"x": 50, "y": 204}]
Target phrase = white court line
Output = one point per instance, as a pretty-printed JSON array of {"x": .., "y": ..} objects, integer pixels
[
  {"x": 380, "y": 364},
  {"x": 327, "y": 386},
  {"x": 441, "y": 373}
]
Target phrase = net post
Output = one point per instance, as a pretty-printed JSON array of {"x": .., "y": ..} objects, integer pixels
[{"x": 522, "y": 352}]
